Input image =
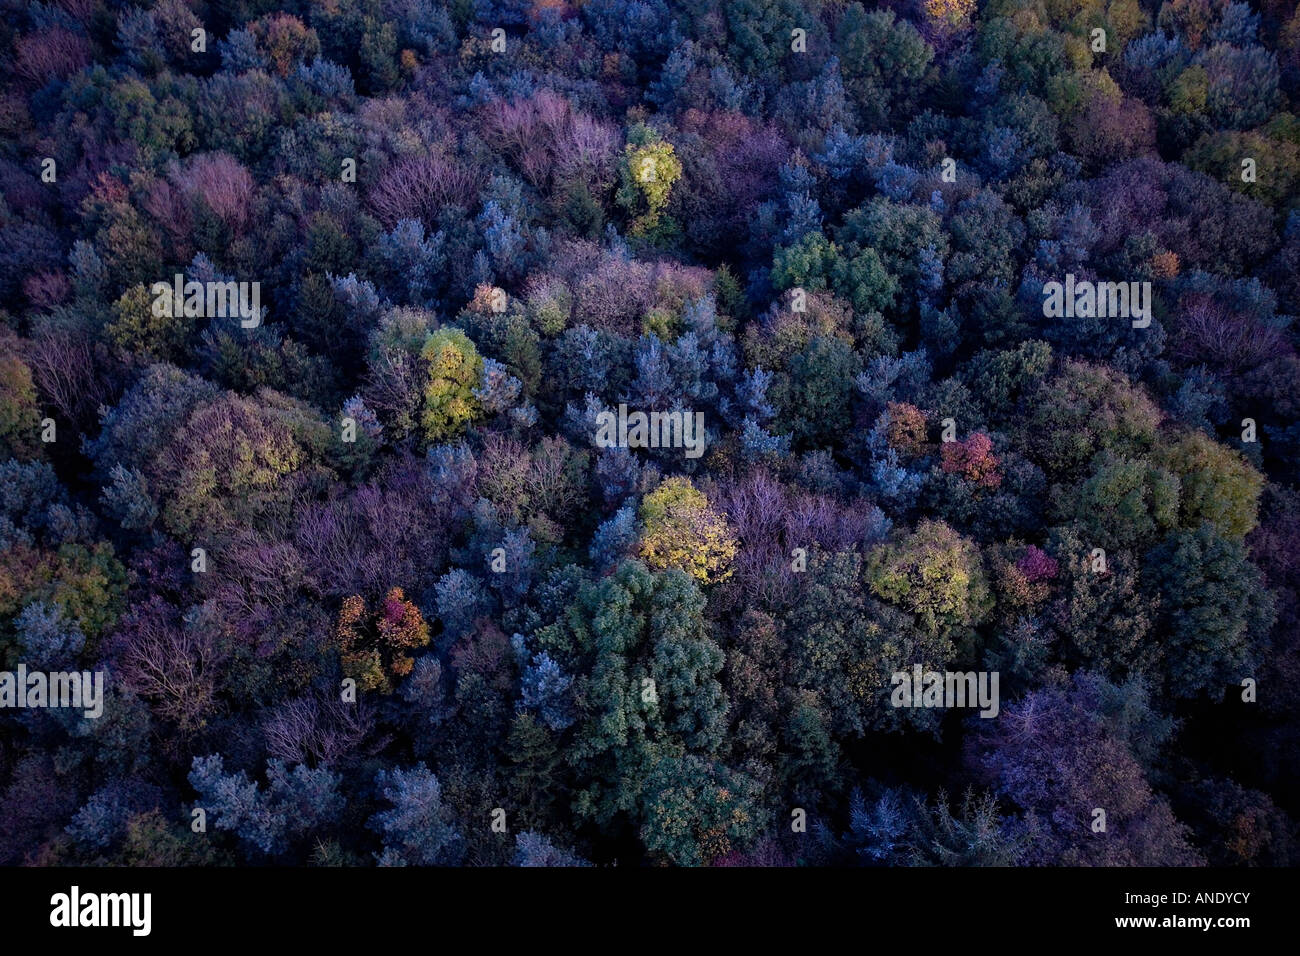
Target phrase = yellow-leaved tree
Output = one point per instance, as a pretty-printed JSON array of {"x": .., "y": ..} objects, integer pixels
[
  {"x": 455, "y": 368},
  {"x": 1218, "y": 484},
  {"x": 682, "y": 530},
  {"x": 647, "y": 173}
]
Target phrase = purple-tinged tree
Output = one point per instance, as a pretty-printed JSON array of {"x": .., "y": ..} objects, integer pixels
[{"x": 1056, "y": 757}]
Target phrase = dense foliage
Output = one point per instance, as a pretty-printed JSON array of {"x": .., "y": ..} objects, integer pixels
[{"x": 367, "y": 590}]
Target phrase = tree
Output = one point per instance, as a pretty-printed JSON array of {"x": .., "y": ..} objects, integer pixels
[
  {"x": 138, "y": 331},
  {"x": 681, "y": 530},
  {"x": 86, "y": 583},
  {"x": 173, "y": 665},
  {"x": 1274, "y": 149},
  {"x": 418, "y": 830},
  {"x": 153, "y": 840},
  {"x": 48, "y": 640},
  {"x": 1211, "y": 331},
  {"x": 216, "y": 185},
  {"x": 545, "y": 687},
  {"x": 650, "y": 686},
  {"x": 1000, "y": 378},
  {"x": 54, "y": 52},
  {"x": 814, "y": 395},
  {"x": 375, "y": 646},
  {"x": 949, "y": 16},
  {"x": 1125, "y": 503},
  {"x": 934, "y": 573},
  {"x": 418, "y": 188},
  {"x": 901, "y": 234},
  {"x": 907, "y": 430},
  {"x": 1083, "y": 409},
  {"x": 542, "y": 488},
  {"x": 20, "y": 417},
  {"x": 238, "y": 460},
  {"x": 752, "y": 683},
  {"x": 695, "y": 812},
  {"x": 973, "y": 459},
  {"x": 1207, "y": 225},
  {"x": 902, "y": 829},
  {"x": 1110, "y": 126},
  {"x": 1058, "y": 755},
  {"x": 534, "y": 849},
  {"x": 1217, "y": 485},
  {"x": 378, "y": 51},
  {"x": 1242, "y": 84},
  {"x": 986, "y": 235},
  {"x": 814, "y": 263},
  {"x": 285, "y": 40},
  {"x": 534, "y": 770},
  {"x": 647, "y": 173},
  {"x": 455, "y": 369},
  {"x": 293, "y": 804},
  {"x": 843, "y": 647},
  {"x": 1102, "y": 618},
  {"x": 1238, "y": 826},
  {"x": 884, "y": 60},
  {"x": 759, "y": 34},
  {"x": 153, "y": 409},
  {"x": 485, "y": 664},
  {"x": 1215, "y": 612}
]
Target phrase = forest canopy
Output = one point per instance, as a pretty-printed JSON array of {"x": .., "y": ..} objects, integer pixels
[{"x": 543, "y": 432}]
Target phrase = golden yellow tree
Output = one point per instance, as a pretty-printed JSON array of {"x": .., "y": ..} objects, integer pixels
[
  {"x": 950, "y": 14},
  {"x": 683, "y": 531}
]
